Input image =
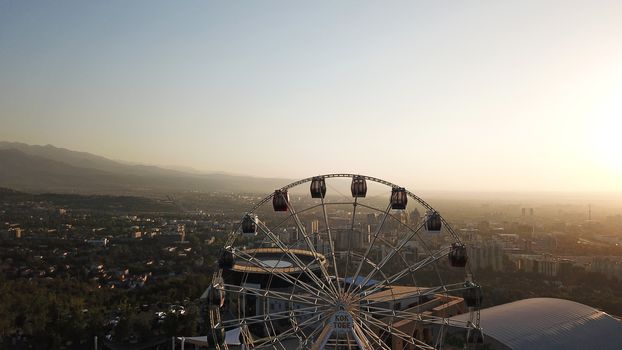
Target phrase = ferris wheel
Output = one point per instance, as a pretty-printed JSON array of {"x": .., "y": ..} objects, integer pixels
[{"x": 349, "y": 262}]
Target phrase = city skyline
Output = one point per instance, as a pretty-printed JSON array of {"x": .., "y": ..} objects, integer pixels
[{"x": 522, "y": 96}]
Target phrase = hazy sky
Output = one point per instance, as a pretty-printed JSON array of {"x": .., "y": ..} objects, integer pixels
[{"x": 455, "y": 95}]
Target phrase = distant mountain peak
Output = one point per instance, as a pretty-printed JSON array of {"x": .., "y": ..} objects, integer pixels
[{"x": 51, "y": 169}]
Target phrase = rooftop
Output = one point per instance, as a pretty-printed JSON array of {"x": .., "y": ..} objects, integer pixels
[{"x": 548, "y": 323}]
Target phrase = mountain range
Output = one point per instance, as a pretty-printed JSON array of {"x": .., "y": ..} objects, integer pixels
[{"x": 33, "y": 168}]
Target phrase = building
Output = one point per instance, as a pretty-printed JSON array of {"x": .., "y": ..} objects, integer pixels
[
  {"x": 98, "y": 242},
  {"x": 548, "y": 323},
  {"x": 12, "y": 233},
  {"x": 608, "y": 266},
  {"x": 485, "y": 255},
  {"x": 346, "y": 239},
  {"x": 415, "y": 218},
  {"x": 544, "y": 264}
]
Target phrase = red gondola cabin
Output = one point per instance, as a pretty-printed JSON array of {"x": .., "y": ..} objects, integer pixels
[{"x": 280, "y": 200}]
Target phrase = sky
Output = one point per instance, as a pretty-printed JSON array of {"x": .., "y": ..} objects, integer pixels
[{"x": 436, "y": 95}]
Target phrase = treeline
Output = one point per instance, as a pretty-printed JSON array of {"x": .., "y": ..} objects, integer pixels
[
  {"x": 593, "y": 289},
  {"x": 51, "y": 313}
]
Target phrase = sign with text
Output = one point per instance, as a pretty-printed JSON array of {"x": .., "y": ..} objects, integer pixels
[{"x": 341, "y": 322}]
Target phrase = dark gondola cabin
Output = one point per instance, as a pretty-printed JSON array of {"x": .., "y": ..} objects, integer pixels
[
  {"x": 358, "y": 187},
  {"x": 249, "y": 224},
  {"x": 458, "y": 255},
  {"x": 280, "y": 200},
  {"x": 472, "y": 295},
  {"x": 433, "y": 222},
  {"x": 399, "y": 198},
  {"x": 218, "y": 334},
  {"x": 475, "y": 336},
  {"x": 226, "y": 260},
  {"x": 318, "y": 187}
]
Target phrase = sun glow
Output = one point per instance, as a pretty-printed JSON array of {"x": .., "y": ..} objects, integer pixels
[{"x": 605, "y": 135}]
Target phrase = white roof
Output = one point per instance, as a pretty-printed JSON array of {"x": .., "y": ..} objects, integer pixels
[{"x": 547, "y": 323}]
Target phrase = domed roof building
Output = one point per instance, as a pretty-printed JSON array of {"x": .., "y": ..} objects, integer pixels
[{"x": 548, "y": 323}]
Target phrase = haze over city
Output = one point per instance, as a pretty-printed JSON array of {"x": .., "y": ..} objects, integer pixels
[
  {"x": 321, "y": 175},
  {"x": 457, "y": 96}
]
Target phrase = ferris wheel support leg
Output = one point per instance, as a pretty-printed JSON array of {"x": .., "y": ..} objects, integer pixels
[{"x": 322, "y": 338}]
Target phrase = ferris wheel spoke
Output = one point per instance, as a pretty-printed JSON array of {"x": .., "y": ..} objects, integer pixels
[
  {"x": 280, "y": 224},
  {"x": 445, "y": 289},
  {"x": 369, "y": 248},
  {"x": 310, "y": 299},
  {"x": 312, "y": 248},
  {"x": 419, "y": 238},
  {"x": 309, "y": 337},
  {"x": 379, "y": 312},
  {"x": 273, "y": 295},
  {"x": 429, "y": 251},
  {"x": 256, "y": 263},
  {"x": 372, "y": 334},
  {"x": 288, "y": 333},
  {"x": 394, "y": 331},
  {"x": 272, "y": 316},
  {"x": 331, "y": 244},
  {"x": 440, "y": 338},
  {"x": 349, "y": 252},
  {"x": 402, "y": 224},
  {"x": 306, "y": 267},
  {"x": 409, "y": 228},
  {"x": 386, "y": 259},
  {"x": 288, "y": 278},
  {"x": 361, "y": 337},
  {"x": 409, "y": 269},
  {"x": 285, "y": 249}
]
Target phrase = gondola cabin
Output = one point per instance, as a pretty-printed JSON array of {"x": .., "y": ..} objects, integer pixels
[
  {"x": 249, "y": 224},
  {"x": 399, "y": 198},
  {"x": 433, "y": 223},
  {"x": 280, "y": 200},
  {"x": 226, "y": 260},
  {"x": 475, "y": 336},
  {"x": 472, "y": 295},
  {"x": 358, "y": 187},
  {"x": 458, "y": 255},
  {"x": 318, "y": 187}
]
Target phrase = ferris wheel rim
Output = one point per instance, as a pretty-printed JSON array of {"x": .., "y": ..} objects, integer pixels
[{"x": 410, "y": 194}]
